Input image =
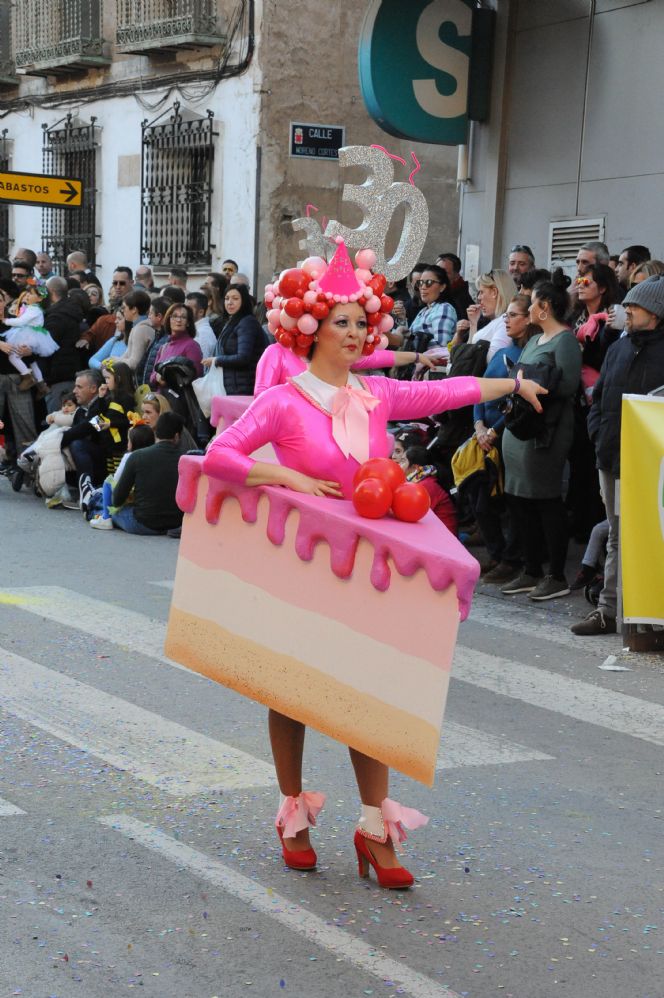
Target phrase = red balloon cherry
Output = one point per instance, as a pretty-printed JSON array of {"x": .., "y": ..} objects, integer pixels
[
  {"x": 383, "y": 468},
  {"x": 293, "y": 283},
  {"x": 295, "y": 308},
  {"x": 372, "y": 498},
  {"x": 378, "y": 284},
  {"x": 320, "y": 310},
  {"x": 411, "y": 502}
]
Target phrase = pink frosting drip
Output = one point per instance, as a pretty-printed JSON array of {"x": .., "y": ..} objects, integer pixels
[{"x": 410, "y": 546}]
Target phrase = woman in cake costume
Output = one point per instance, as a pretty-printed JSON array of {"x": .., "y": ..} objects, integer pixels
[{"x": 323, "y": 423}]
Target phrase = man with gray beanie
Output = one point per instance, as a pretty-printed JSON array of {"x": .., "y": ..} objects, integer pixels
[{"x": 634, "y": 365}]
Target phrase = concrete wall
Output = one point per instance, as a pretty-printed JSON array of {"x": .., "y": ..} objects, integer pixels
[{"x": 559, "y": 60}]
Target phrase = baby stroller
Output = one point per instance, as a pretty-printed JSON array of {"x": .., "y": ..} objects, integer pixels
[{"x": 179, "y": 373}]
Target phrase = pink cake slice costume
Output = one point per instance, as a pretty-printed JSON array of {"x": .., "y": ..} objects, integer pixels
[{"x": 299, "y": 603}]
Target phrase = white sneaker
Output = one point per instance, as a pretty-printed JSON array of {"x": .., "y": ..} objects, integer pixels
[{"x": 101, "y": 523}]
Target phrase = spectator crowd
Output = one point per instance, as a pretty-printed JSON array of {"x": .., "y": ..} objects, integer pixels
[{"x": 98, "y": 396}]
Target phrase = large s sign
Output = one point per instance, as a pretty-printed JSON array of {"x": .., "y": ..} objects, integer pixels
[{"x": 414, "y": 64}]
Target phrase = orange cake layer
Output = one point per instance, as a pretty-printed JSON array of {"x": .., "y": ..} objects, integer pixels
[{"x": 393, "y": 736}]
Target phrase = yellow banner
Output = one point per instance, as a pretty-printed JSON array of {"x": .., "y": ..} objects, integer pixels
[{"x": 642, "y": 508}]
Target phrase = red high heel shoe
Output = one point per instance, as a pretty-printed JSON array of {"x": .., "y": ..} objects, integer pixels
[
  {"x": 377, "y": 824},
  {"x": 304, "y": 859},
  {"x": 294, "y": 815},
  {"x": 394, "y": 878}
]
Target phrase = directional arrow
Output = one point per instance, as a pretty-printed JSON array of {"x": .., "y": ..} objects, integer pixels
[
  {"x": 41, "y": 189},
  {"x": 69, "y": 191}
]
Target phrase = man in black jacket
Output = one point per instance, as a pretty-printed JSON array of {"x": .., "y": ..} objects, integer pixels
[
  {"x": 83, "y": 438},
  {"x": 152, "y": 473},
  {"x": 63, "y": 321},
  {"x": 634, "y": 365}
]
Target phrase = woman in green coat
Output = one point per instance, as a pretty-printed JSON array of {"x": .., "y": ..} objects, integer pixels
[{"x": 534, "y": 468}]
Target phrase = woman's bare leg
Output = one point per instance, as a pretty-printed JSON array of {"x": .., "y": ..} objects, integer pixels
[
  {"x": 287, "y": 741},
  {"x": 373, "y": 779}
]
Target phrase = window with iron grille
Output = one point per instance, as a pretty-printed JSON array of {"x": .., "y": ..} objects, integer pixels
[
  {"x": 4, "y": 207},
  {"x": 70, "y": 150},
  {"x": 176, "y": 190}
]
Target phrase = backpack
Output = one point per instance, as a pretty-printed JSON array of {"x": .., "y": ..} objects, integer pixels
[{"x": 520, "y": 417}]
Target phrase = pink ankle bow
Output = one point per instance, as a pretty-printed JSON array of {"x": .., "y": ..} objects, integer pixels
[
  {"x": 350, "y": 421},
  {"x": 396, "y": 816},
  {"x": 297, "y": 813}
]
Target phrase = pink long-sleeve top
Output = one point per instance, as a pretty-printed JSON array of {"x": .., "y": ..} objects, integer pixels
[
  {"x": 301, "y": 431},
  {"x": 180, "y": 346},
  {"x": 278, "y": 364}
]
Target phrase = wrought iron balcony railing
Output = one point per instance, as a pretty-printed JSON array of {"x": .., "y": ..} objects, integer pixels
[
  {"x": 148, "y": 25},
  {"x": 7, "y": 68},
  {"x": 57, "y": 36}
]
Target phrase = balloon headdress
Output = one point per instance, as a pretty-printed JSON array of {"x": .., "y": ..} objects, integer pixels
[{"x": 304, "y": 296}]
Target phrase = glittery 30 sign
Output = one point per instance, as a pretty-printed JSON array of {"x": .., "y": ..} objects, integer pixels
[{"x": 378, "y": 197}]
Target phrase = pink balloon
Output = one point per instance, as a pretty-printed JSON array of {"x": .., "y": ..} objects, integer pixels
[
  {"x": 383, "y": 343},
  {"x": 307, "y": 325},
  {"x": 385, "y": 324},
  {"x": 373, "y": 304},
  {"x": 277, "y": 302},
  {"x": 273, "y": 316},
  {"x": 314, "y": 266},
  {"x": 310, "y": 297},
  {"x": 269, "y": 297},
  {"x": 286, "y": 320},
  {"x": 363, "y": 276},
  {"x": 366, "y": 258}
]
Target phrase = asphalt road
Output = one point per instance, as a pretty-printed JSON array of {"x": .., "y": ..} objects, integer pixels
[{"x": 137, "y": 849}]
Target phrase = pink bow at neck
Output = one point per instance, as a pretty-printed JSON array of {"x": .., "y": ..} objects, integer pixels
[
  {"x": 298, "y": 813},
  {"x": 396, "y": 816},
  {"x": 350, "y": 421}
]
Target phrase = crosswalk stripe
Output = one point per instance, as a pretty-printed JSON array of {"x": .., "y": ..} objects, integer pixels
[
  {"x": 125, "y": 628},
  {"x": 7, "y": 809},
  {"x": 163, "y": 753},
  {"x": 561, "y": 694},
  {"x": 529, "y": 684},
  {"x": 463, "y": 746},
  {"x": 532, "y": 622},
  {"x": 340, "y": 944}
]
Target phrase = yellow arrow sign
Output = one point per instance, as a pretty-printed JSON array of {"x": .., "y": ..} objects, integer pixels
[{"x": 41, "y": 189}]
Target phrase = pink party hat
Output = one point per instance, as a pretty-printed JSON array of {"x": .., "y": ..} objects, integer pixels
[{"x": 339, "y": 279}]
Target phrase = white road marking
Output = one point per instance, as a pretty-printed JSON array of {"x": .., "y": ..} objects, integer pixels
[
  {"x": 532, "y": 622},
  {"x": 164, "y": 583},
  {"x": 463, "y": 746},
  {"x": 335, "y": 941},
  {"x": 7, "y": 809},
  {"x": 165, "y": 754},
  {"x": 552, "y": 691},
  {"x": 125, "y": 628}
]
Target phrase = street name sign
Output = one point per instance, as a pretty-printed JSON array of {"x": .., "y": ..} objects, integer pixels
[
  {"x": 41, "y": 189},
  {"x": 309, "y": 141}
]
